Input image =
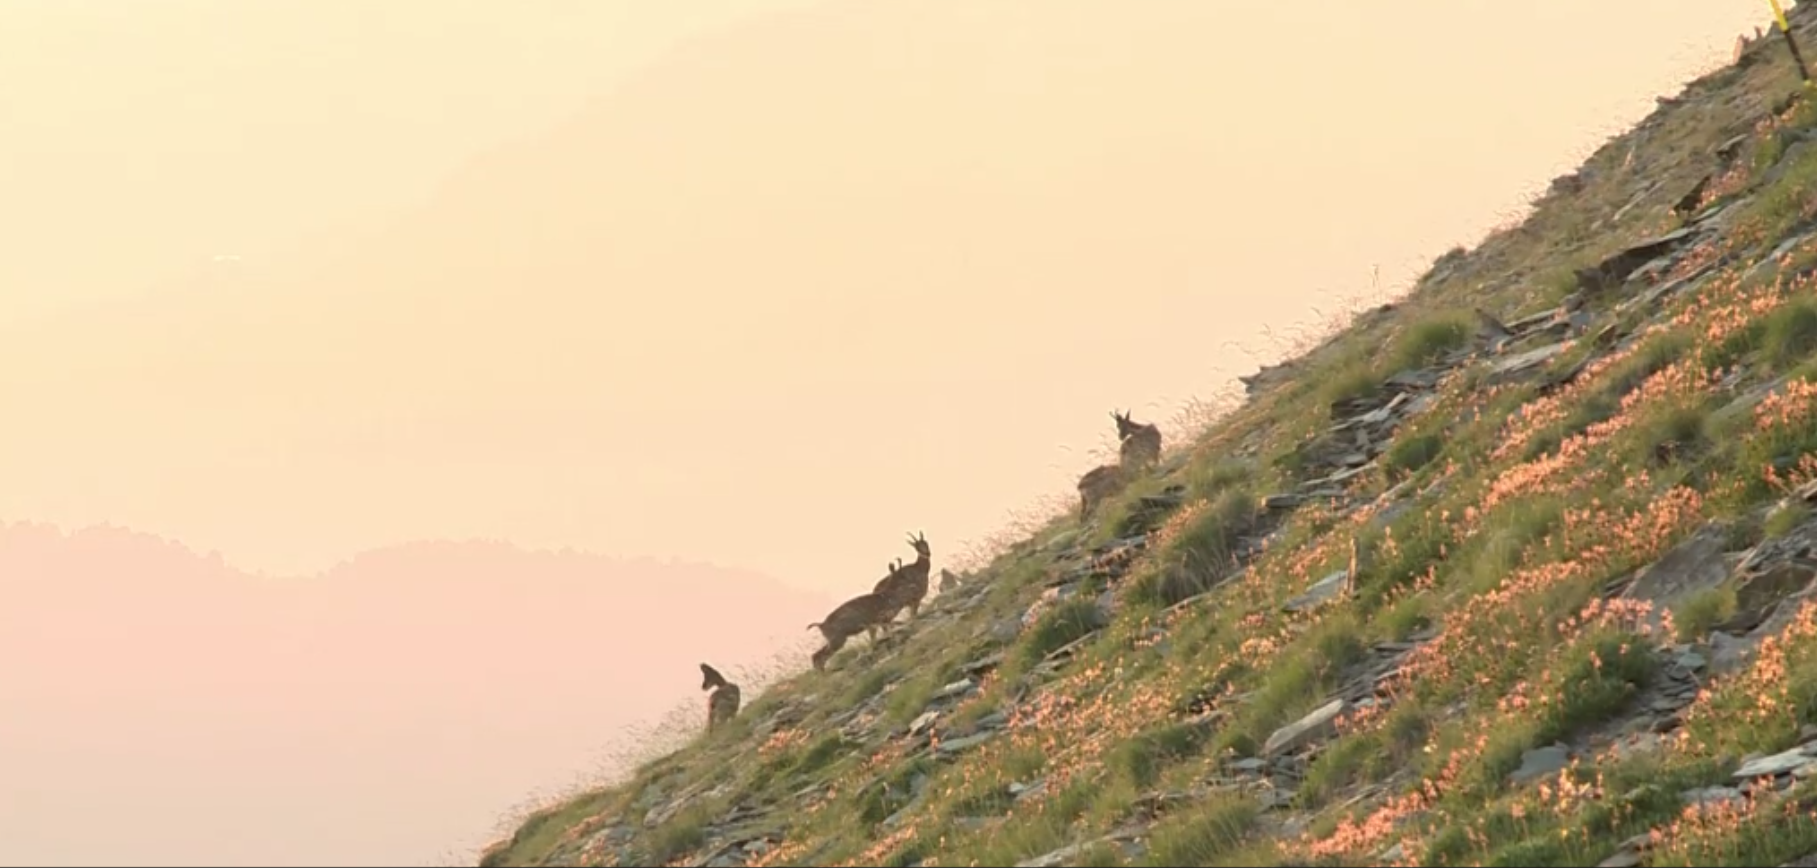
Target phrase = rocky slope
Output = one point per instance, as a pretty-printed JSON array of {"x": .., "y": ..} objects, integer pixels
[{"x": 1514, "y": 571}]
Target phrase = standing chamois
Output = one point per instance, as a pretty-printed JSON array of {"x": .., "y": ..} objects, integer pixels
[
  {"x": 722, "y": 704},
  {"x": 1098, "y": 484},
  {"x": 864, "y": 613},
  {"x": 1140, "y": 443},
  {"x": 907, "y": 585}
]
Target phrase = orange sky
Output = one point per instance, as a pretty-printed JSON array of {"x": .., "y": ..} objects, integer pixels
[
  {"x": 923, "y": 247},
  {"x": 161, "y": 708},
  {"x": 759, "y": 283}
]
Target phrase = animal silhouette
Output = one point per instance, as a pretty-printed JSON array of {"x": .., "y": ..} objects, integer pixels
[
  {"x": 864, "y": 613},
  {"x": 1098, "y": 484},
  {"x": 906, "y": 586},
  {"x": 722, "y": 703},
  {"x": 1139, "y": 443}
]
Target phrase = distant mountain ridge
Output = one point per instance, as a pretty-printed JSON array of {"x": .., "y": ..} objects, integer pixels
[{"x": 405, "y": 673}]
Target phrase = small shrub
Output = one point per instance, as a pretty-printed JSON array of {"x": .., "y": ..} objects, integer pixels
[
  {"x": 1767, "y": 153},
  {"x": 1100, "y": 855},
  {"x": 1409, "y": 454},
  {"x": 1785, "y": 518},
  {"x": 1419, "y": 541},
  {"x": 824, "y": 751},
  {"x": 1792, "y": 198},
  {"x": 1352, "y": 384},
  {"x": 1069, "y": 621},
  {"x": 1202, "y": 552},
  {"x": 884, "y": 797},
  {"x": 1404, "y": 618},
  {"x": 1142, "y": 758},
  {"x": 1429, "y": 339},
  {"x": 1345, "y": 762},
  {"x": 1406, "y": 728},
  {"x": 1790, "y": 333},
  {"x": 1779, "y": 446},
  {"x": 1673, "y": 432},
  {"x": 1702, "y": 611},
  {"x": 1213, "y": 479},
  {"x": 679, "y": 835},
  {"x": 1604, "y": 673},
  {"x": 1655, "y": 354},
  {"x": 1201, "y": 834}
]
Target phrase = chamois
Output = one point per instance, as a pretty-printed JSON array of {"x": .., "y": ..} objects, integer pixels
[
  {"x": 906, "y": 585},
  {"x": 861, "y": 614},
  {"x": 722, "y": 704},
  {"x": 883, "y": 585},
  {"x": 1139, "y": 443},
  {"x": 1098, "y": 484}
]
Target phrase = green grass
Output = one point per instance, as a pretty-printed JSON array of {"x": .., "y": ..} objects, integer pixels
[
  {"x": 1409, "y": 454},
  {"x": 1141, "y": 759},
  {"x": 1785, "y": 518},
  {"x": 1203, "y": 834},
  {"x": 1790, "y": 334},
  {"x": 1793, "y": 200},
  {"x": 679, "y": 835},
  {"x": 1352, "y": 377},
  {"x": 1203, "y": 551},
  {"x": 1067, "y": 622},
  {"x": 538, "y": 833},
  {"x": 1701, "y": 612},
  {"x": 1510, "y": 556},
  {"x": 1429, "y": 339}
]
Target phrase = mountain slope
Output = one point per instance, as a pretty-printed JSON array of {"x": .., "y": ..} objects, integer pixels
[
  {"x": 288, "y": 713},
  {"x": 1523, "y": 584}
]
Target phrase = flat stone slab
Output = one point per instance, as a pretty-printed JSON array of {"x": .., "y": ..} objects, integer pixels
[
  {"x": 1321, "y": 592},
  {"x": 1319, "y": 724},
  {"x": 1783, "y": 763},
  {"x": 1511, "y": 367},
  {"x": 1544, "y": 762}
]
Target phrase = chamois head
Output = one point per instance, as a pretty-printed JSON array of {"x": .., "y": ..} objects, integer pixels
[
  {"x": 711, "y": 678},
  {"x": 1139, "y": 444},
  {"x": 1125, "y": 425},
  {"x": 919, "y": 541}
]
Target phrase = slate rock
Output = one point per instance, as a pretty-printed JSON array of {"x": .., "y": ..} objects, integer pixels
[
  {"x": 1321, "y": 723},
  {"x": 1321, "y": 592},
  {"x": 923, "y": 723},
  {"x": 1711, "y": 796},
  {"x": 955, "y": 689},
  {"x": 1509, "y": 368},
  {"x": 1543, "y": 762},
  {"x": 1694, "y": 565},
  {"x": 960, "y": 745},
  {"x": 1782, "y": 763}
]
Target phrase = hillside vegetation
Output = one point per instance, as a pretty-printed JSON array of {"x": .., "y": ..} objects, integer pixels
[{"x": 1514, "y": 571}]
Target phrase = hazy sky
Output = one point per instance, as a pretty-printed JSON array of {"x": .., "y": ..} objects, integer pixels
[
  {"x": 758, "y": 283},
  {"x": 873, "y": 267},
  {"x": 141, "y": 137},
  {"x": 160, "y": 708}
]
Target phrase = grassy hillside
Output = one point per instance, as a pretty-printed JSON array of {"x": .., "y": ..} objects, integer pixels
[{"x": 1513, "y": 571}]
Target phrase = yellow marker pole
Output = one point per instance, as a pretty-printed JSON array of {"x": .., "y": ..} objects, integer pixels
[{"x": 1786, "y": 29}]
